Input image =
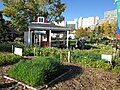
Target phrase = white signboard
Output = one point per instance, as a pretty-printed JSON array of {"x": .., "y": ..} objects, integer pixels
[
  {"x": 107, "y": 57},
  {"x": 18, "y": 51}
]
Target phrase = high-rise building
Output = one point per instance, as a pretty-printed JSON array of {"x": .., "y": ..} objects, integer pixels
[
  {"x": 72, "y": 24},
  {"x": 110, "y": 15},
  {"x": 79, "y": 22},
  {"x": 87, "y": 22}
]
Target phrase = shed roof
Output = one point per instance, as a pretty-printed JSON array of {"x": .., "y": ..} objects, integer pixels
[{"x": 47, "y": 26}]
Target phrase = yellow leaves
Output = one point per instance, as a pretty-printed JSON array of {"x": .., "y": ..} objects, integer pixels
[
  {"x": 9, "y": 11},
  {"x": 80, "y": 32},
  {"x": 106, "y": 28},
  {"x": 41, "y": 2},
  {"x": 113, "y": 27},
  {"x": 109, "y": 28}
]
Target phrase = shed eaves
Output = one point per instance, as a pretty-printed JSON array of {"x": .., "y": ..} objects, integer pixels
[{"x": 47, "y": 26}]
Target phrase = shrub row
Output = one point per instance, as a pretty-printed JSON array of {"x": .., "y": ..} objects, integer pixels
[
  {"x": 62, "y": 54},
  {"x": 94, "y": 64},
  {"x": 36, "y": 72},
  {"x": 89, "y": 58},
  {"x": 8, "y": 58}
]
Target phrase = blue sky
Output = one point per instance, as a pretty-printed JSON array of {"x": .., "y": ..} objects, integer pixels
[{"x": 85, "y": 8}]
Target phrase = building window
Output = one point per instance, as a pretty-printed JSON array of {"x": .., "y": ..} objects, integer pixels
[{"x": 41, "y": 19}]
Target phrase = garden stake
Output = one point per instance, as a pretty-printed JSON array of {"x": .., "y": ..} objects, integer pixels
[{"x": 68, "y": 56}]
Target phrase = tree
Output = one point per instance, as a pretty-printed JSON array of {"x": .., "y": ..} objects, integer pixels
[
  {"x": 2, "y": 31},
  {"x": 107, "y": 29},
  {"x": 113, "y": 28},
  {"x": 6, "y": 30},
  {"x": 80, "y": 32},
  {"x": 22, "y": 12}
]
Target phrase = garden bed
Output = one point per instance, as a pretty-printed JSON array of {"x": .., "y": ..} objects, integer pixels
[
  {"x": 9, "y": 83},
  {"x": 81, "y": 79}
]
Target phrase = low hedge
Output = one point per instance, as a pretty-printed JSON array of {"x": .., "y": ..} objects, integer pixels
[
  {"x": 85, "y": 54},
  {"x": 8, "y": 58},
  {"x": 93, "y": 63},
  {"x": 36, "y": 72},
  {"x": 29, "y": 50}
]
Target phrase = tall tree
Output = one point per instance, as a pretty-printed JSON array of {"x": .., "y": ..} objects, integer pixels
[
  {"x": 22, "y": 12},
  {"x": 7, "y": 32},
  {"x": 106, "y": 29},
  {"x": 113, "y": 28},
  {"x": 2, "y": 31},
  {"x": 81, "y": 32}
]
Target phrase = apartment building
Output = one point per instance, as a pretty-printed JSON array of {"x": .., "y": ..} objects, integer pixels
[
  {"x": 88, "y": 22},
  {"x": 110, "y": 15}
]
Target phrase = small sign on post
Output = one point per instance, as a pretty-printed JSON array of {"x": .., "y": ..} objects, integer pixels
[
  {"x": 18, "y": 51},
  {"x": 107, "y": 57}
]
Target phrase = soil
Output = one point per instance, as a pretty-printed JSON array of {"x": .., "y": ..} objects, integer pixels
[{"x": 77, "y": 79}]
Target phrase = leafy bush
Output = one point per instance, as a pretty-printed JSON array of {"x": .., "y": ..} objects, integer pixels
[
  {"x": 36, "y": 72},
  {"x": 95, "y": 64},
  {"x": 5, "y": 47},
  {"x": 29, "y": 50},
  {"x": 85, "y": 54},
  {"x": 8, "y": 58},
  {"x": 116, "y": 61},
  {"x": 101, "y": 64},
  {"x": 116, "y": 69},
  {"x": 72, "y": 42},
  {"x": 54, "y": 52}
]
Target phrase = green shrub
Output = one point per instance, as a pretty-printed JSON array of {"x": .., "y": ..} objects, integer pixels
[
  {"x": 116, "y": 69},
  {"x": 36, "y": 72},
  {"x": 72, "y": 42},
  {"x": 116, "y": 61},
  {"x": 85, "y": 54},
  {"x": 54, "y": 52},
  {"x": 101, "y": 64},
  {"x": 5, "y": 47},
  {"x": 8, "y": 58},
  {"x": 28, "y": 50}
]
